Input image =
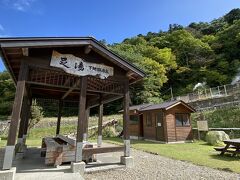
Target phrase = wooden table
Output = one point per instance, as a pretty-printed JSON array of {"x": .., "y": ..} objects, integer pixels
[{"x": 232, "y": 146}]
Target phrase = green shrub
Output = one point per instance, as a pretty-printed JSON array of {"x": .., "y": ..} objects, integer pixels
[
  {"x": 36, "y": 114},
  {"x": 109, "y": 132},
  {"x": 6, "y": 108},
  {"x": 228, "y": 117},
  {"x": 118, "y": 128}
]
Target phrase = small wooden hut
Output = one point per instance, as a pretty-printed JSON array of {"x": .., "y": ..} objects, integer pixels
[{"x": 166, "y": 122}]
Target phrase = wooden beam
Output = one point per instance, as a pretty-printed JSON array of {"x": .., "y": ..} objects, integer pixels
[
  {"x": 126, "y": 137},
  {"x": 104, "y": 92},
  {"x": 75, "y": 88},
  {"x": 100, "y": 118},
  {"x": 67, "y": 81},
  {"x": 45, "y": 84},
  {"x": 126, "y": 100},
  {"x": 71, "y": 89},
  {"x": 44, "y": 43},
  {"x": 86, "y": 124},
  {"x": 130, "y": 74},
  {"x": 60, "y": 106},
  {"x": 87, "y": 49},
  {"x": 17, "y": 106},
  {"x": 27, "y": 116},
  {"x": 106, "y": 99},
  {"x": 25, "y": 51},
  {"x": 81, "y": 118},
  {"x": 90, "y": 151},
  {"x": 23, "y": 119}
]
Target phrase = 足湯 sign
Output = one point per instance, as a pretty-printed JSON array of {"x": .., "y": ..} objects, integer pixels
[{"x": 77, "y": 66}]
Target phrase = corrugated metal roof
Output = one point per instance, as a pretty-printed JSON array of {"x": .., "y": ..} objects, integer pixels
[
  {"x": 139, "y": 107},
  {"x": 165, "y": 105}
]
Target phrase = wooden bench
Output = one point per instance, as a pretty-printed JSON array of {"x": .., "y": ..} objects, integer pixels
[
  {"x": 99, "y": 150},
  {"x": 232, "y": 146},
  {"x": 222, "y": 148}
]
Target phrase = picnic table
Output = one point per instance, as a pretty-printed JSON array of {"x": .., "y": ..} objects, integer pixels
[{"x": 232, "y": 146}]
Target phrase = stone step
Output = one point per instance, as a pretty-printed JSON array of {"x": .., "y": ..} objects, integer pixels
[{"x": 102, "y": 167}]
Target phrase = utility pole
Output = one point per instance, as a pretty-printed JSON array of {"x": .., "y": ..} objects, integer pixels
[{"x": 171, "y": 93}]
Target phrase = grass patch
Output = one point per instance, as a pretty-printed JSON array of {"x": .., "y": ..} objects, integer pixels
[
  {"x": 198, "y": 153},
  {"x": 51, "y": 131},
  {"x": 4, "y": 118},
  {"x": 31, "y": 142},
  {"x": 72, "y": 120}
]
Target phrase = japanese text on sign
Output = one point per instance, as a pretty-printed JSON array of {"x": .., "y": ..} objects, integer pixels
[{"x": 77, "y": 66}]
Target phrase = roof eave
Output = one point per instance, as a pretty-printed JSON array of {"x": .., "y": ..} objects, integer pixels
[
  {"x": 67, "y": 41},
  {"x": 171, "y": 106}
]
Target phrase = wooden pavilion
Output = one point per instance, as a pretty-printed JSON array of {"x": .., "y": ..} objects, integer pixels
[{"x": 65, "y": 68}]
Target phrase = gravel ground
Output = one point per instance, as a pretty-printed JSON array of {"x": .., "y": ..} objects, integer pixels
[{"x": 150, "y": 167}]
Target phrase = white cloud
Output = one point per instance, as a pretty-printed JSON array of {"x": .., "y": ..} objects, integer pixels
[
  {"x": 19, "y": 5},
  {"x": 1, "y": 28},
  {"x": 4, "y": 36},
  {"x": 3, "y": 32}
]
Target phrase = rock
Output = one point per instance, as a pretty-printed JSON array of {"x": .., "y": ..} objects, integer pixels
[{"x": 216, "y": 137}]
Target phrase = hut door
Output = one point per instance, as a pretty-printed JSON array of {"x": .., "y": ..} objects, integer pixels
[
  {"x": 141, "y": 126},
  {"x": 159, "y": 126}
]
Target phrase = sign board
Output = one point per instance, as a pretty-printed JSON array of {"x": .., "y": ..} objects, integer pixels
[
  {"x": 202, "y": 125},
  {"x": 77, "y": 66}
]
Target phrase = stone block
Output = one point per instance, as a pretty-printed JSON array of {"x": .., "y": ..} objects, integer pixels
[
  {"x": 78, "y": 167},
  {"x": 127, "y": 161},
  {"x": 8, "y": 174},
  {"x": 8, "y": 157}
]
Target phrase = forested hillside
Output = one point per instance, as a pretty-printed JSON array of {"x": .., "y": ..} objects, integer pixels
[
  {"x": 183, "y": 56},
  {"x": 179, "y": 58}
]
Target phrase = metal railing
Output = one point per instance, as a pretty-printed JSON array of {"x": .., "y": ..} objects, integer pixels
[{"x": 209, "y": 93}]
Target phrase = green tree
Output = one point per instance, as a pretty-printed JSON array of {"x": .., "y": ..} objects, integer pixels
[
  {"x": 233, "y": 15},
  {"x": 155, "y": 62},
  {"x": 7, "y": 92}
]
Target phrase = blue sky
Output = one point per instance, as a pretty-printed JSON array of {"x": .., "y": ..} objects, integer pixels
[{"x": 103, "y": 19}]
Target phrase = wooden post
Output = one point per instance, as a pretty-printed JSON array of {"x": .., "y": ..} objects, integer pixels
[
  {"x": 126, "y": 136},
  {"x": 198, "y": 94},
  {"x": 60, "y": 106},
  {"x": 23, "y": 120},
  {"x": 81, "y": 119},
  {"x": 225, "y": 89},
  {"x": 85, "y": 134},
  {"x": 211, "y": 93},
  {"x": 100, "y": 118},
  {"x": 29, "y": 104},
  {"x": 17, "y": 106}
]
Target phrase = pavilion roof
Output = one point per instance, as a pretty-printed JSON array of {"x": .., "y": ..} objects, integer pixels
[{"x": 12, "y": 48}]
